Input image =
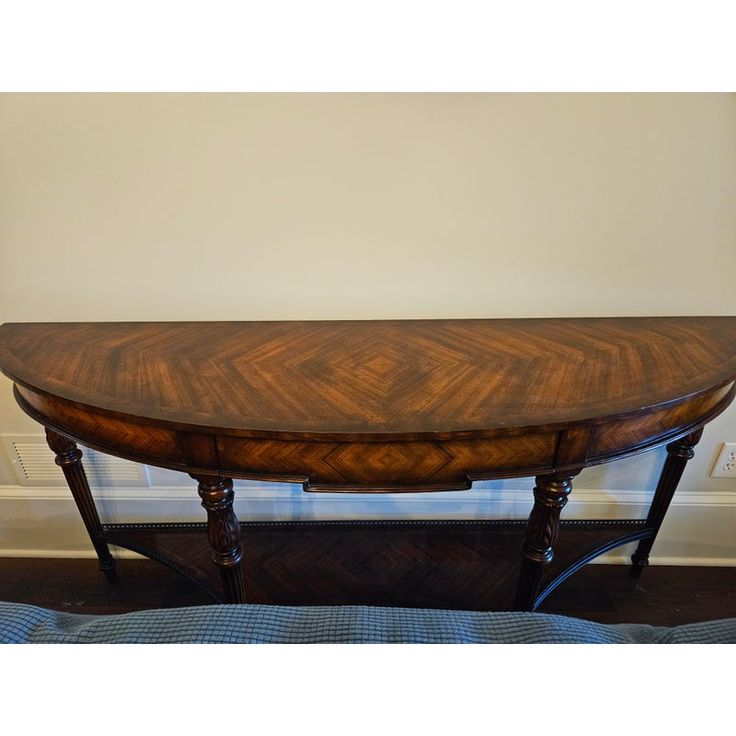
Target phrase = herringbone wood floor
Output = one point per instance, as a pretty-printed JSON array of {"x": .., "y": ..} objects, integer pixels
[{"x": 664, "y": 596}]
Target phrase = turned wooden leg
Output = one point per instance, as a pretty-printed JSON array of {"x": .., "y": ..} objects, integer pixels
[
  {"x": 550, "y": 496},
  {"x": 69, "y": 459},
  {"x": 678, "y": 454},
  {"x": 223, "y": 532}
]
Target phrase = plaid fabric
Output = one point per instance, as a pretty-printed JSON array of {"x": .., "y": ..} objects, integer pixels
[{"x": 253, "y": 624}]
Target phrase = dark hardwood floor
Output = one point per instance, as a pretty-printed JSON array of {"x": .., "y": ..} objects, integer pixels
[{"x": 663, "y": 596}]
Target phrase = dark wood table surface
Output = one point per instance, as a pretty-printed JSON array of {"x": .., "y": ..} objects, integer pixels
[{"x": 376, "y": 406}]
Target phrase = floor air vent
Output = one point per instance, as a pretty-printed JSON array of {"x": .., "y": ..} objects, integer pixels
[{"x": 34, "y": 465}]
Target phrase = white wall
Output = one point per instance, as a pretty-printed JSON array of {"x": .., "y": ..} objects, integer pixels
[{"x": 249, "y": 206}]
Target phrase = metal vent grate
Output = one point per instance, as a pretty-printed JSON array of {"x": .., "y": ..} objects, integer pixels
[{"x": 34, "y": 465}]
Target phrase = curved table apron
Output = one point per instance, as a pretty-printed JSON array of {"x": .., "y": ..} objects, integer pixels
[{"x": 409, "y": 455}]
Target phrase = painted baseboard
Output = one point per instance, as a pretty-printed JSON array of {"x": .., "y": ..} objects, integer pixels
[{"x": 43, "y": 522}]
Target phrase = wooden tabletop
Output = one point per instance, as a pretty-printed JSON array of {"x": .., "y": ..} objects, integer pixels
[
  {"x": 409, "y": 378},
  {"x": 374, "y": 407}
]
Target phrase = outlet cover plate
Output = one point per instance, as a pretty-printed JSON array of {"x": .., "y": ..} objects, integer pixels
[{"x": 725, "y": 464}]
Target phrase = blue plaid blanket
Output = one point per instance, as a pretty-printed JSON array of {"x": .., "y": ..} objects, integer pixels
[{"x": 256, "y": 624}]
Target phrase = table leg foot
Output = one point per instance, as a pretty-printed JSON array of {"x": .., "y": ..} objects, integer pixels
[
  {"x": 550, "y": 496},
  {"x": 69, "y": 459},
  {"x": 223, "y": 532},
  {"x": 679, "y": 453},
  {"x": 637, "y": 565}
]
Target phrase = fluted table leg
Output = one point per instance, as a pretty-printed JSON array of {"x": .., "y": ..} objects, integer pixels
[
  {"x": 678, "y": 455},
  {"x": 69, "y": 459},
  {"x": 550, "y": 496},
  {"x": 223, "y": 532}
]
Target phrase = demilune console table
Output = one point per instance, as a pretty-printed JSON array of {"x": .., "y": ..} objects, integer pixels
[{"x": 376, "y": 407}]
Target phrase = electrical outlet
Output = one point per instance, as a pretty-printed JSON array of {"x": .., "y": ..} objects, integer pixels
[{"x": 725, "y": 464}]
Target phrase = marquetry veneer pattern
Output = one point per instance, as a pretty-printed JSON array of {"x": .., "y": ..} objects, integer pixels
[{"x": 376, "y": 406}]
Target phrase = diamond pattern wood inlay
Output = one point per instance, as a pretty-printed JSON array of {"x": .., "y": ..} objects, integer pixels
[
  {"x": 394, "y": 377},
  {"x": 347, "y": 405},
  {"x": 375, "y": 406}
]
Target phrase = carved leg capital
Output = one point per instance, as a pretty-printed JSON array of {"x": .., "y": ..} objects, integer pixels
[
  {"x": 550, "y": 497},
  {"x": 679, "y": 453},
  {"x": 69, "y": 459},
  {"x": 66, "y": 450},
  {"x": 223, "y": 533}
]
